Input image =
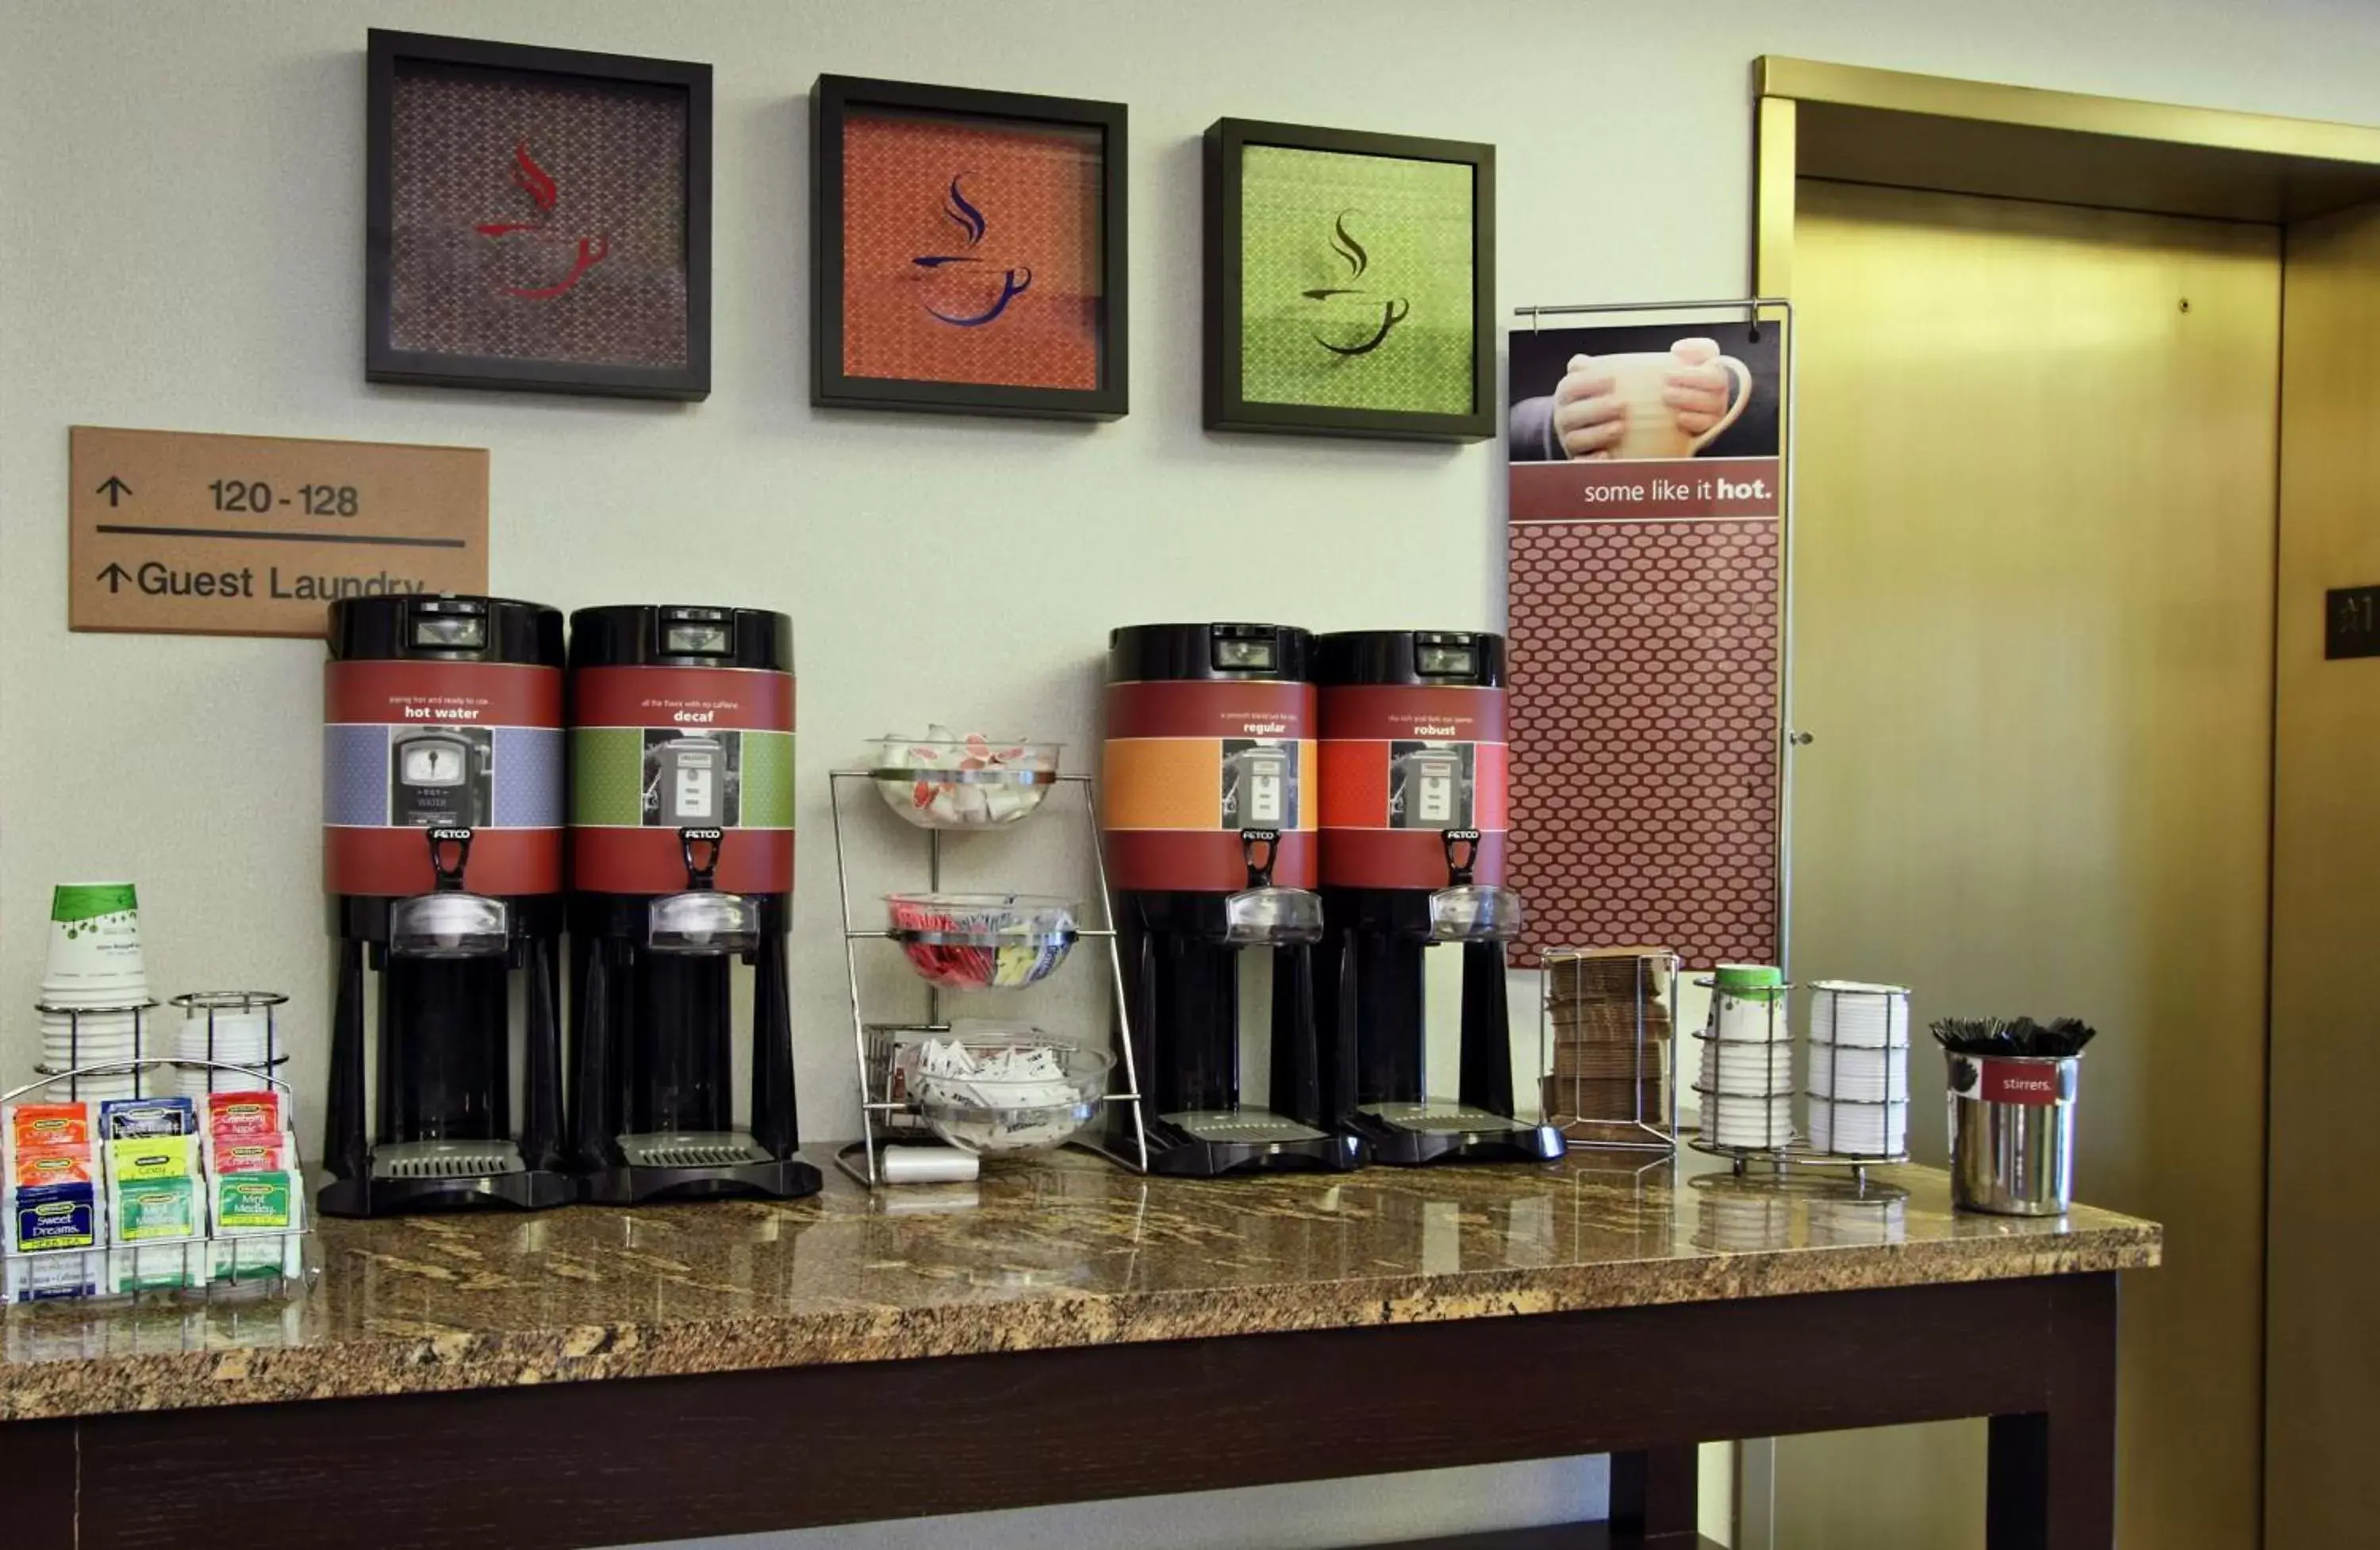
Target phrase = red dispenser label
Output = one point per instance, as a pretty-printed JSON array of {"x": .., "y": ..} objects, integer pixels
[
  {"x": 1400, "y": 764},
  {"x": 1188, "y": 765},
  {"x": 412, "y": 745},
  {"x": 656, "y": 750}
]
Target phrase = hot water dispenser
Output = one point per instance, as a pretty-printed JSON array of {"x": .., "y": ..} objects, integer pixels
[{"x": 442, "y": 854}]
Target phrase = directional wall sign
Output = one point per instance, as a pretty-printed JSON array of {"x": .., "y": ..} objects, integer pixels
[{"x": 187, "y": 533}]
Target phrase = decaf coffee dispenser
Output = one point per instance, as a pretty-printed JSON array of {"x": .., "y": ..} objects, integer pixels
[
  {"x": 1413, "y": 829},
  {"x": 1209, "y": 833},
  {"x": 442, "y": 853},
  {"x": 682, "y": 867}
]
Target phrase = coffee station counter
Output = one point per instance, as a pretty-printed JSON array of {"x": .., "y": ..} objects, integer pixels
[
  {"x": 1078, "y": 1332},
  {"x": 1066, "y": 1251}
]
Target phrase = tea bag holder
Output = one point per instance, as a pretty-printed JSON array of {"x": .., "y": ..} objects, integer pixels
[{"x": 261, "y": 1264}]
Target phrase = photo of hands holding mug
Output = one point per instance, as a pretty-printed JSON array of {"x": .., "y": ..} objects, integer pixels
[{"x": 1638, "y": 394}]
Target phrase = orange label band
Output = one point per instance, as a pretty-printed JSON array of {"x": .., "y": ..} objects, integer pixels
[{"x": 1208, "y": 784}]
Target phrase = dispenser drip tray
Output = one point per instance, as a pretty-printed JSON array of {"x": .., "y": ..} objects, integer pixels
[
  {"x": 693, "y": 1149},
  {"x": 1444, "y": 1119},
  {"x": 1240, "y": 1125},
  {"x": 444, "y": 1159}
]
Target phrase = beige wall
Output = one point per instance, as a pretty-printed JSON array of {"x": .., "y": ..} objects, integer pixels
[{"x": 180, "y": 246}]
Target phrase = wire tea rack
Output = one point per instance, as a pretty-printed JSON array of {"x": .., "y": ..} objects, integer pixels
[
  {"x": 1784, "y": 1147},
  {"x": 208, "y": 1268},
  {"x": 887, "y": 1111}
]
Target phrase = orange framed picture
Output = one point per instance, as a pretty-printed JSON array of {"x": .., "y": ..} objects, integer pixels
[{"x": 968, "y": 251}]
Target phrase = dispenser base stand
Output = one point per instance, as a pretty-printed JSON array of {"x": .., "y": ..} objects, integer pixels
[
  {"x": 1493, "y": 1138},
  {"x": 628, "y": 1185},
  {"x": 534, "y": 1189},
  {"x": 1176, "y": 1149}
]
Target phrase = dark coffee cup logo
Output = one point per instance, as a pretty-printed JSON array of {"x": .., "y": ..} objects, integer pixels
[
  {"x": 535, "y": 240},
  {"x": 1355, "y": 319},
  {"x": 1964, "y": 1075},
  {"x": 960, "y": 290}
]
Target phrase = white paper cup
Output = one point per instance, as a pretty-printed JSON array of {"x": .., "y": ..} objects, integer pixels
[
  {"x": 239, "y": 1037},
  {"x": 1750, "y": 1018},
  {"x": 1760, "y": 1070},
  {"x": 1849, "y": 1011},
  {"x": 1855, "y": 1130},
  {"x": 1839, "y": 1070},
  {"x": 94, "y": 936},
  {"x": 1748, "y": 1121}
]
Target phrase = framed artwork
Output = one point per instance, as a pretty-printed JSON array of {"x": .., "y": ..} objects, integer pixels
[
  {"x": 967, "y": 251},
  {"x": 1350, "y": 282},
  {"x": 536, "y": 218}
]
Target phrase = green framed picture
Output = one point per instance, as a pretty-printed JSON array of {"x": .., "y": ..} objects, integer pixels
[{"x": 1349, "y": 283}]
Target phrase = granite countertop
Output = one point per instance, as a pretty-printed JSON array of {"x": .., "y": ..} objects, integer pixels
[{"x": 1064, "y": 1251}]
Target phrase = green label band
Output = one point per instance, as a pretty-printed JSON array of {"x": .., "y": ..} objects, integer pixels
[
  {"x": 610, "y": 772},
  {"x": 72, "y": 901}
]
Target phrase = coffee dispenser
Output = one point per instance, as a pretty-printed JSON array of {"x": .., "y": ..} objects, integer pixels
[
  {"x": 682, "y": 867},
  {"x": 442, "y": 854},
  {"x": 1413, "y": 829},
  {"x": 1208, "y": 831}
]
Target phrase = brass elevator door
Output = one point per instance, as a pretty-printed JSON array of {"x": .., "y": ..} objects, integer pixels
[{"x": 2033, "y": 573}]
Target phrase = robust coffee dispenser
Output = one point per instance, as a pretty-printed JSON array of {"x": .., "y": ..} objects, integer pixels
[
  {"x": 1207, "y": 833},
  {"x": 682, "y": 867},
  {"x": 442, "y": 853},
  {"x": 1413, "y": 829}
]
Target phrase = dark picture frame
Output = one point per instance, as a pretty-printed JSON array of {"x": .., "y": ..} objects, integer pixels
[
  {"x": 393, "y": 54},
  {"x": 1228, "y": 408},
  {"x": 835, "y": 102}
]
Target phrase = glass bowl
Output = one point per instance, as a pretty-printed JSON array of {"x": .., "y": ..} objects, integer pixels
[
  {"x": 983, "y": 941},
  {"x": 963, "y": 783},
  {"x": 1025, "y": 1094}
]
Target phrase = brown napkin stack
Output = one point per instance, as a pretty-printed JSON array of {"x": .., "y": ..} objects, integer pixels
[{"x": 1599, "y": 998}]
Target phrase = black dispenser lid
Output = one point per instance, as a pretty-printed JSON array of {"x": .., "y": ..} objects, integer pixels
[
  {"x": 445, "y": 628},
  {"x": 679, "y": 635},
  {"x": 1457, "y": 659},
  {"x": 1143, "y": 653}
]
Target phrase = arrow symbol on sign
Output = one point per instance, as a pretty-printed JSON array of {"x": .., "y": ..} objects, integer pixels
[
  {"x": 115, "y": 575},
  {"x": 114, "y": 489}
]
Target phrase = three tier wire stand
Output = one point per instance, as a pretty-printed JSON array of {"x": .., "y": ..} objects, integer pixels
[
  {"x": 887, "y": 1112},
  {"x": 1781, "y": 1146}
]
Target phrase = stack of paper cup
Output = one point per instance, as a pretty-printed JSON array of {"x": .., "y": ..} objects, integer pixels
[
  {"x": 236, "y": 1038},
  {"x": 1858, "y": 1077},
  {"x": 94, "y": 947},
  {"x": 1747, "y": 1071}
]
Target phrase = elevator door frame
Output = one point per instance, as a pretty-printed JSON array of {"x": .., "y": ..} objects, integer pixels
[{"x": 1938, "y": 134}]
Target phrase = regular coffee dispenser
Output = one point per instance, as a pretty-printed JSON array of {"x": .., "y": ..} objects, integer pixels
[
  {"x": 682, "y": 871},
  {"x": 442, "y": 854},
  {"x": 1413, "y": 756},
  {"x": 1208, "y": 829}
]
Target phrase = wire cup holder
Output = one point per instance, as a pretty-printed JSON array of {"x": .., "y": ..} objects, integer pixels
[
  {"x": 1611, "y": 1015},
  {"x": 208, "y": 1268},
  {"x": 1781, "y": 1146}
]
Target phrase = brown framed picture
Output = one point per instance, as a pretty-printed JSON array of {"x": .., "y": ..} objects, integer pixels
[
  {"x": 1350, "y": 282},
  {"x": 536, "y": 218},
  {"x": 968, "y": 251}
]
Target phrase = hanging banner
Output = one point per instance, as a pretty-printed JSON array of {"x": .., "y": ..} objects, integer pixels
[{"x": 1645, "y": 566}]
